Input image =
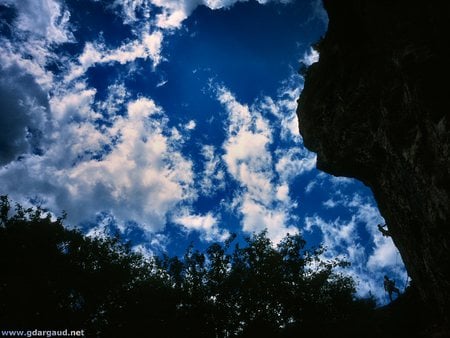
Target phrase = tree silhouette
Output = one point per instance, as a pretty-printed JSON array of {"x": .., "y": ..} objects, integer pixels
[{"x": 54, "y": 277}]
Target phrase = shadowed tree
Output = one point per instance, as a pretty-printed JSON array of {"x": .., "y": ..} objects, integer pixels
[{"x": 53, "y": 277}]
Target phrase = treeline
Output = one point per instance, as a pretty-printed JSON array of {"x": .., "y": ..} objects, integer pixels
[{"x": 55, "y": 278}]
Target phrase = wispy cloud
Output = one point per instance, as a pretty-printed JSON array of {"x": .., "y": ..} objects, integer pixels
[
  {"x": 213, "y": 176},
  {"x": 148, "y": 46},
  {"x": 264, "y": 201},
  {"x": 371, "y": 258},
  {"x": 172, "y": 12},
  {"x": 293, "y": 162},
  {"x": 207, "y": 225},
  {"x": 45, "y": 19}
]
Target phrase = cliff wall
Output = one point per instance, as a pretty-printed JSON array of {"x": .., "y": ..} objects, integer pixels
[{"x": 376, "y": 107}]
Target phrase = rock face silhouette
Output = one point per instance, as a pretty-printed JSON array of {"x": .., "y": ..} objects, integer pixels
[{"x": 376, "y": 107}]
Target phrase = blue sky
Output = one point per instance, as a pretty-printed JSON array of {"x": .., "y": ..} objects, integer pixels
[{"x": 173, "y": 121}]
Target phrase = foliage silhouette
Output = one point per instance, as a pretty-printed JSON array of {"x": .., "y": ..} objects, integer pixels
[{"x": 53, "y": 277}]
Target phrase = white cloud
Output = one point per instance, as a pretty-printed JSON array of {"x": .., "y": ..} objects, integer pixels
[
  {"x": 321, "y": 180},
  {"x": 339, "y": 180},
  {"x": 148, "y": 46},
  {"x": 74, "y": 105},
  {"x": 142, "y": 178},
  {"x": 370, "y": 259},
  {"x": 146, "y": 26},
  {"x": 309, "y": 57},
  {"x": 310, "y": 186},
  {"x": 212, "y": 177},
  {"x": 330, "y": 203},
  {"x": 130, "y": 9},
  {"x": 283, "y": 193},
  {"x": 174, "y": 12},
  {"x": 43, "y": 18},
  {"x": 115, "y": 101},
  {"x": 156, "y": 244},
  {"x": 257, "y": 217},
  {"x": 18, "y": 55},
  {"x": 206, "y": 224},
  {"x": 337, "y": 235},
  {"x": 161, "y": 83},
  {"x": 249, "y": 137},
  {"x": 247, "y": 156},
  {"x": 263, "y": 201},
  {"x": 40, "y": 25},
  {"x": 384, "y": 255},
  {"x": 294, "y": 162},
  {"x": 190, "y": 125},
  {"x": 284, "y": 108}
]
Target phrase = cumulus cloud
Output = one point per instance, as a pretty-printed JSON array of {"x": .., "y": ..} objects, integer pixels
[
  {"x": 249, "y": 137},
  {"x": 74, "y": 105},
  {"x": 141, "y": 178},
  {"x": 144, "y": 177},
  {"x": 70, "y": 150}
]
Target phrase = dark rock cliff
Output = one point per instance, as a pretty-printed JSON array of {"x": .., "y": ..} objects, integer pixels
[{"x": 376, "y": 107}]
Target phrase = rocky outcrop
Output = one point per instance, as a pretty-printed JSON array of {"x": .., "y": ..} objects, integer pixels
[{"x": 376, "y": 107}]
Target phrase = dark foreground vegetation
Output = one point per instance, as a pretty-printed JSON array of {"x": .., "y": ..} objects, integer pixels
[{"x": 55, "y": 278}]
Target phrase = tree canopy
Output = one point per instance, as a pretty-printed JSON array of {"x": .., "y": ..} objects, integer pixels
[{"x": 54, "y": 277}]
